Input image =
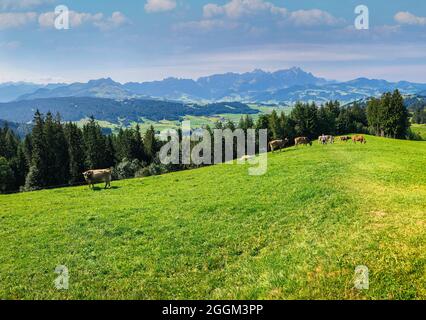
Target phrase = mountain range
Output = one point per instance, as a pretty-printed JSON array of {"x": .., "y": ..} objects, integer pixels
[
  {"x": 10, "y": 91},
  {"x": 283, "y": 86}
]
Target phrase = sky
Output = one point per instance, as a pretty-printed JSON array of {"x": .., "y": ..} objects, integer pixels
[{"x": 145, "y": 40}]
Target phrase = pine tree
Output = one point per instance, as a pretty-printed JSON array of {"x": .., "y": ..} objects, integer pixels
[
  {"x": 76, "y": 154},
  {"x": 374, "y": 116},
  {"x": 6, "y": 176},
  {"x": 305, "y": 119},
  {"x": 28, "y": 148},
  {"x": 19, "y": 167},
  {"x": 242, "y": 124},
  {"x": 37, "y": 175},
  {"x": 8, "y": 143},
  {"x": 94, "y": 145},
  {"x": 2, "y": 143},
  {"x": 150, "y": 144},
  {"x": 274, "y": 126},
  {"x": 57, "y": 151},
  {"x": 399, "y": 121},
  {"x": 138, "y": 151},
  {"x": 109, "y": 153}
]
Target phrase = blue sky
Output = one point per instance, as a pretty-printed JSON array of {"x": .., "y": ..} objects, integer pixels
[{"x": 141, "y": 40}]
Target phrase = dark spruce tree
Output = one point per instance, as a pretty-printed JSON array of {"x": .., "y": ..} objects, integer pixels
[
  {"x": 19, "y": 167},
  {"x": 94, "y": 145},
  {"x": 76, "y": 154},
  {"x": 37, "y": 175},
  {"x": 7, "y": 180},
  {"x": 150, "y": 145},
  {"x": 305, "y": 120}
]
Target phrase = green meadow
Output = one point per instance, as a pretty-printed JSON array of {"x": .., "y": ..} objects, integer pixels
[
  {"x": 297, "y": 232},
  {"x": 420, "y": 129},
  {"x": 196, "y": 121}
]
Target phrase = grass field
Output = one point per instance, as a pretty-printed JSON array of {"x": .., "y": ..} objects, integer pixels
[
  {"x": 217, "y": 233},
  {"x": 419, "y": 129}
]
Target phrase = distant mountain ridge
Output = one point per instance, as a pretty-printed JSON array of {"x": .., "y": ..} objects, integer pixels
[
  {"x": 12, "y": 90},
  {"x": 282, "y": 86}
]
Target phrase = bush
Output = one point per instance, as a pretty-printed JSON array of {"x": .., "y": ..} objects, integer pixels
[
  {"x": 127, "y": 169},
  {"x": 411, "y": 135},
  {"x": 152, "y": 170}
]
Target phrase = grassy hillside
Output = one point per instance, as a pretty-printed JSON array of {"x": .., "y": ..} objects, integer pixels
[
  {"x": 420, "y": 129},
  {"x": 297, "y": 232}
]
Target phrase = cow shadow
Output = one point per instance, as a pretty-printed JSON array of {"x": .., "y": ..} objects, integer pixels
[{"x": 97, "y": 189}]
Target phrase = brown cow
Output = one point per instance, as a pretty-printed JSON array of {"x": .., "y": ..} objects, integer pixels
[
  {"x": 96, "y": 176},
  {"x": 302, "y": 140},
  {"x": 278, "y": 144},
  {"x": 361, "y": 139},
  {"x": 345, "y": 138}
]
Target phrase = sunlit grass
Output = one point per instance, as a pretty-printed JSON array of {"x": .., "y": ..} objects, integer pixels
[{"x": 217, "y": 233}]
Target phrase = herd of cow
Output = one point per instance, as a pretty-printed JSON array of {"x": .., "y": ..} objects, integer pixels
[
  {"x": 323, "y": 139},
  {"x": 105, "y": 175}
]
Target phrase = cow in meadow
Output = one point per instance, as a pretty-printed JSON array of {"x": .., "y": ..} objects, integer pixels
[
  {"x": 278, "y": 144},
  {"x": 322, "y": 139},
  {"x": 97, "y": 176},
  {"x": 360, "y": 139},
  {"x": 302, "y": 140},
  {"x": 325, "y": 139},
  {"x": 345, "y": 138}
]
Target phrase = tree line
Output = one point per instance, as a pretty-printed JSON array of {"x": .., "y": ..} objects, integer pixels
[
  {"x": 57, "y": 153},
  {"x": 419, "y": 115}
]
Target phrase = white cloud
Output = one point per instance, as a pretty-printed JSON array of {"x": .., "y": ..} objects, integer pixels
[
  {"x": 409, "y": 18},
  {"x": 211, "y": 10},
  {"x": 314, "y": 17},
  {"x": 159, "y": 5},
  {"x": 76, "y": 19},
  {"x": 16, "y": 19},
  {"x": 116, "y": 20},
  {"x": 22, "y": 4},
  {"x": 239, "y": 8}
]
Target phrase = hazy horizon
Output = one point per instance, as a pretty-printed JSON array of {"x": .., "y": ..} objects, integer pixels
[{"x": 202, "y": 76}]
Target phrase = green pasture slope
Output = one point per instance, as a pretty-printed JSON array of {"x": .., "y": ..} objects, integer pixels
[
  {"x": 420, "y": 129},
  {"x": 217, "y": 233}
]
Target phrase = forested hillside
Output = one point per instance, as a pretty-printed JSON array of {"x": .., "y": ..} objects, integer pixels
[{"x": 114, "y": 111}]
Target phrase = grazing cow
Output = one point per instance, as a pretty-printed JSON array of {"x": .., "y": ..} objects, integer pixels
[
  {"x": 361, "y": 139},
  {"x": 302, "y": 140},
  {"x": 278, "y": 144},
  {"x": 96, "y": 176},
  {"x": 325, "y": 139},
  {"x": 345, "y": 138}
]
